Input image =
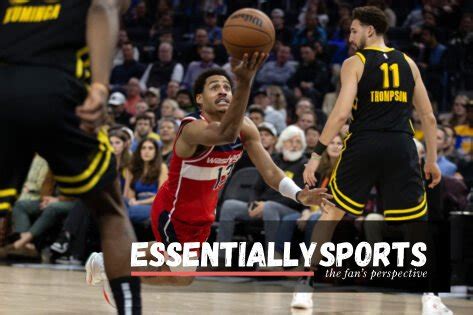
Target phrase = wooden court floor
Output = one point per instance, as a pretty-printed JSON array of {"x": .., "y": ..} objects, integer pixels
[{"x": 43, "y": 291}]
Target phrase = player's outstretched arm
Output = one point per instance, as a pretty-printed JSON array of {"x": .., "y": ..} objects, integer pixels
[
  {"x": 226, "y": 131},
  {"x": 273, "y": 175},
  {"x": 102, "y": 34},
  {"x": 423, "y": 107},
  {"x": 351, "y": 71}
]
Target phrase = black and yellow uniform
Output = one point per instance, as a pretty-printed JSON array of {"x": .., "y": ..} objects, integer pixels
[
  {"x": 43, "y": 71},
  {"x": 379, "y": 150}
]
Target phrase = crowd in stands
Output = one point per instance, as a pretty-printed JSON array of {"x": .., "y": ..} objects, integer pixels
[{"x": 164, "y": 45}]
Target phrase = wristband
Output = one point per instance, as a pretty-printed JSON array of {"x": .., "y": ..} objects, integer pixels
[
  {"x": 320, "y": 148},
  {"x": 289, "y": 189}
]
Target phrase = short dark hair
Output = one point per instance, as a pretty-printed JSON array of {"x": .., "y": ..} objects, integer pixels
[
  {"x": 370, "y": 15},
  {"x": 184, "y": 91},
  {"x": 432, "y": 30},
  {"x": 199, "y": 83},
  {"x": 256, "y": 109},
  {"x": 143, "y": 116}
]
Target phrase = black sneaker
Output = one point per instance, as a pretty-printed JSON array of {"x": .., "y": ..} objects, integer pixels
[{"x": 61, "y": 245}]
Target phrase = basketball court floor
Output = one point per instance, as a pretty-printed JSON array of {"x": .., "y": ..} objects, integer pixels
[{"x": 27, "y": 290}]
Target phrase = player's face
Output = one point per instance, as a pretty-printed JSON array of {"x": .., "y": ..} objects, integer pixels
[
  {"x": 358, "y": 35},
  {"x": 167, "y": 131},
  {"x": 334, "y": 148},
  {"x": 148, "y": 151},
  {"x": 217, "y": 94},
  {"x": 117, "y": 144}
]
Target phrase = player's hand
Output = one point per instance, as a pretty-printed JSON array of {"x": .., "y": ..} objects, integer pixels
[
  {"x": 314, "y": 197},
  {"x": 245, "y": 69},
  {"x": 309, "y": 172},
  {"x": 94, "y": 110},
  {"x": 432, "y": 171}
]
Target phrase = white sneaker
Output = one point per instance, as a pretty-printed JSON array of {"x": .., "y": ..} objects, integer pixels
[
  {"x": 432, "y": 305},
  {"x": 302, "y": 300},
  {"x": 95, "y": 269}
]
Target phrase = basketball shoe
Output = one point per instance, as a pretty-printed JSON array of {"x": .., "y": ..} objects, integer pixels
[
  {"x": 95, "y": 275},
  {"x": 432, "y": 305}
]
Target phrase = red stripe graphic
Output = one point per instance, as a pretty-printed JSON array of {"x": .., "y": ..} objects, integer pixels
[{"x": 221, "y": 273}]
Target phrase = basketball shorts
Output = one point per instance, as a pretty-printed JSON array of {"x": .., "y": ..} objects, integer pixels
[
  {"x": 387, "y": 161},
  {"x": 37, "y": 116}
]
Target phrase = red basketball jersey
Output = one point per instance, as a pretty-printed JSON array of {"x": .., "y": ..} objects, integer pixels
[{"x": 190, "y": 194}]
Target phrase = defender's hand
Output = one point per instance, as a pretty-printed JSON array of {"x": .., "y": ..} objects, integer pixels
[
  {"x": 245, "y": 69},
  {"x": 432, "y": 170},
  {"x": 93, "y": 112},
  {"x": 314, "y": 197},
  {"x": 309, "y": 172}
]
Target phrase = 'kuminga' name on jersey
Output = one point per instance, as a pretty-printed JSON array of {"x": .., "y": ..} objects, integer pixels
[{"x": 31, "y": 14}]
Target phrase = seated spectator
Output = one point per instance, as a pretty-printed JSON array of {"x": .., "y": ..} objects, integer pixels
[
  {"x": 34, "y": 179},
  {"x": 165, "y": 69},
  {"x": 464, "y": 140},
  {"x": 310, "y": 33},
  {"x": 213, "y": 30},
  {"x": 120, "y": 144},
  {"x": 270, "y": 114},
  {"x": 141, "y": 108},
  {"x": 256, "y": 114},
  {"x": 133, "y": 92},
  {"x": 130, "y": 68},
  {"x": 195, "y": 68},
  {"x": 277, "y": 72},
  {"x": 143, "y": 178},
  {"x": 143, "y": 130},
  {"x": 192, "y": 52},
  {"x": 267, "y": 204},
  {"x": 283, "y": 32},
  {"x": 447, "y": 167},
  {"x": 305, "y": 105},
  {"x": 48, "y": 211},
  {"x": 312, "y": 76},
  {"x": 167, "y": 131},
  {"x": 171, "y": 90},
  {"x": 117, "y": 103},
  {"x": 153, "y": 98},
  {"x": 169, "y": 108},
  {"x": 122, "y": 39},
  {"x": 305, "y": 221},
  {"x": 184, "y": 99},
  {"x": 306, "y": 120},
  {"x": 269, "y": 136},
  {"x": 312, "y": 134},
  {"x": 458, "y": 114},
  {"x": 138, "y": 23},
  {"x": 277, "y": 99}
]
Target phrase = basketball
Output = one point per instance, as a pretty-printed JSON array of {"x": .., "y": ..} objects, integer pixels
[{"x": 247, "y": 31}]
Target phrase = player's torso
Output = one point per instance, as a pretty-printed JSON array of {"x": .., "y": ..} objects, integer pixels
[
  {"x": 191, "y": 192},
  {"x": 45, "y": 32},
  {"x": 385, "y": 90}
]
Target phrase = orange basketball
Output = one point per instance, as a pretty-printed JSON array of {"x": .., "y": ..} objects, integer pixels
[{"x": 247, "y": 31}]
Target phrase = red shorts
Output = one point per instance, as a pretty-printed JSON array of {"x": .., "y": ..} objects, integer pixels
[{"x": 167, "y": 229}]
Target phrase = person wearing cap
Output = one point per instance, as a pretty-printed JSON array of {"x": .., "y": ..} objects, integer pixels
[
  {"x": 117, "y": 104},
  {"x": 270, "y": 114},
  {"x": 283, "y": 32},
  {"x": 269, "y": 136},
  {"x": 165, "y": 69},
  {"x": 153, "y": 98}
]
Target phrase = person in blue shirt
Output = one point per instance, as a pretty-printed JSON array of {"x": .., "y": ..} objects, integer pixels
[{"x": 447, "y": 167}]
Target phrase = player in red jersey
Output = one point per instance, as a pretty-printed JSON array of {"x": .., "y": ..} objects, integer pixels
[{"x": 207, "y": 146}]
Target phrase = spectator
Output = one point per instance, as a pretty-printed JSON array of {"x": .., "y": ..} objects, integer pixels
[
  {"x": 151, "y": 115},
  {"x": 184, "y": 99},
  {"x": 120, "y": 144},
  {"x": 141, "y": 108},
  {"x": 447, "y": 167},
  {"x": 172, "y": 89},
  {"x": 270, "y": 114},
  {"x": 213, "y": 30},
  {"x": 330, "y": 99},
  {"x": 312, "y": 134},
  {"x": 34, "y": 179},
  {"x": 195, "y": 68},
  {"x": 277, "y": 99},
  {"x": 167, "y": 131},
  {"x": 277, "y": 72},
  {"x": 133, "y": 96},
  {"x": 464, "y": 140},
  {"x": 256, "y": 114},
  {"x": 169, "y": 107},
  {"x": 130, "y": 68},
  {"x": 153, "y": 98},
  {"x": 267, "y": 204},
  {"x": 381, "y": 4},
  {"x": 269, "y": 136},
  {"x": 458, "y": 114},
  {"x": 49, "y": 210},
  {"x": 305, "y": 105},
  {"x": 143, "y": 130},
  {"x": 146, "y": 174},
  {"x": 139, "y": 24},
  {"x": 192, "y": 52},
  {"x": 159, "y": 73},
  {"x": 306, "y": 120},
  {"x": 117, "y": 103},
  {"x": 310, "y": 33},
  {"x": 283, "y": 32},
  {"x": 122, "y": 39},
  {"x": 312, "y": 76},
  {"x": 315, "y": 7}
]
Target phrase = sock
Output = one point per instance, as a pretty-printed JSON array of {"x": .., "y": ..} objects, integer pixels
[{"x": 127, "y": 295}]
